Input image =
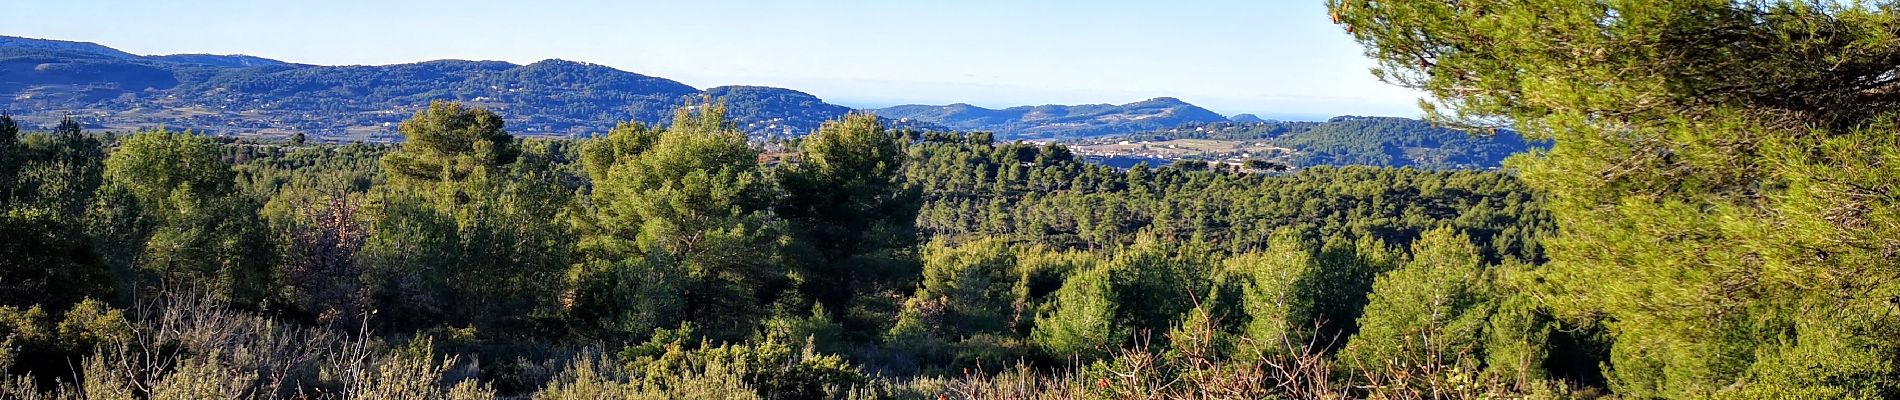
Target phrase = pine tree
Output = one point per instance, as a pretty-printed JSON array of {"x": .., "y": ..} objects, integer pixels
[
  {"x": 1082, "y": 321},
  {"x": 1428, "y": 316},
  {"x": 448, "y": 142},
  {"x": 11, "y": 154},
  {"x": 852, "y": 215},
  {"x": 691, "y": 206},
  {"x": 1718, "y": 174},
  {"x": 195, "y": 230}
]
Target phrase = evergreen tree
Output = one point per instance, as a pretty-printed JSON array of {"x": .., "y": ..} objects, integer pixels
[
  {"x": 448, "y": 142},
  {"x": 486, "y": 212},
  {"x": 1275, "y": 291},
  {"x": 1082, "y": 318},
  {"x": 1428, "y": 316},
  {"x": 1716, "y": 173},
  {"x": 61, "y": 172},
  {"x": 694, "y": 207},
  {"x": 196, "y": 232},
  {"x": 967, "y": 288},
  {"x": 852, "y": 215},
  {"x": 10, "y": 159},
  {"x": 46, "y": 261}
]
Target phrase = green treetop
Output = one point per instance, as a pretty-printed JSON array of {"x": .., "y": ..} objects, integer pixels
[
  {"x": 448, "y": 142},
  {"x": 1720, "y": 174}
]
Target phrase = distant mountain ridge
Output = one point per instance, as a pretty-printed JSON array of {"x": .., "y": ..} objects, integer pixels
[
  {"x": 235, "y": 60},
  {"x": 20, "y": 43},
  {"x": 1058, "y": 121},
  {"x": 245, "y": 94},
  {"x": 1356, "y": 140},
  {"x": 43, "y": 80}
]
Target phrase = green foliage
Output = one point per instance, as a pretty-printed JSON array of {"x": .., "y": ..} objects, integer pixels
[
  {"x": 1154, "y": 289},
  {"x": 988, "y": 190},
  {"x": 47, "y": 261},
  {"x": 485, "y": 276},
  {"x": 966, "y": 307},
  {"x": 852, "y": 217},
  {"x": 195, "y": 227},
  {"x": 818, "y": 328},
  {"x": 468, "y": 234},
  {"x": 1518, "y": 338},
  {"x": 1429, "y": 315},
  {"x": 1275, "y": 290},
  {"x": 588, "y": 378},
  {"x": 690, "y": 207},
  {"x": 59, "y": 172},
  {"x": 969, "y": 285},
  {"x": 449, "y": 142},
  {"x": 19, "y": 328},
  {"x": 10, "y": 158},
  {"x": 1715, "y": 172},
  {"x": 201, "y": 378},
  {"x": 1081, "y": 322},
  {"x": 92, "y": 323},
  {"x": 30, "y": 341},
  {"x": 673, "y": 365},
  {"x": 410, "y": 257}
]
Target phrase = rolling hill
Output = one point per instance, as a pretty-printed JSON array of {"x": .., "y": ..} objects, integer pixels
[
  {"x": 42, "y": 80},
  {"x": 1345, "y": 140},
  {"x": 1058, "y": 121}
]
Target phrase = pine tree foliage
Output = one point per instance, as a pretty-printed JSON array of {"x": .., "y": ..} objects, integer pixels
[
  {"x": 450, "y": 141},
  {"x": 686, "y": 211},
  {"x": 853, "y": 218},
  {"x": 1428, "y": 315},
  {"x": 197, "y": 228},
  {"x": 1718, "y": 172}
]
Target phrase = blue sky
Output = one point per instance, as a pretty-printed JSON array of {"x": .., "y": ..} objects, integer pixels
[{"x": 1270, "y": 57}]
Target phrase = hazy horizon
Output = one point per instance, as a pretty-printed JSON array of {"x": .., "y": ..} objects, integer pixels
[{"x": 1232, "y": 57}]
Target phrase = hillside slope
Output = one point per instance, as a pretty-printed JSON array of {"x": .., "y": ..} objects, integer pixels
[
  {"x": 41, "y": 80},
  {"x": 1059, "y": 121},
  {"x": 1346, "y": 140}
]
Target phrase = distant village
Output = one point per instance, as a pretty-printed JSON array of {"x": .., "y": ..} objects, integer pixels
[{"x": 1246, "y": 156}]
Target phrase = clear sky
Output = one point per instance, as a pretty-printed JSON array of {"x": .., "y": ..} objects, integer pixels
[{"x": 1269, "y": 57}]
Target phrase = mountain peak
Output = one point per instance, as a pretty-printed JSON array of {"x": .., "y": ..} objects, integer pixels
[
  {"x": 735, "y": 89},
  {"x": 1246, "y": 118},
  {"x": 556, "y": 62},
  {"x": 16, "y": 42}
]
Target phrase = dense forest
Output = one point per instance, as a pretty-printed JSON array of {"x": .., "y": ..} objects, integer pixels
[
  {"x": 1353, "y": 140},
  {"x": 871, "y": 262},
  {"x": 1714, "y": 219}
]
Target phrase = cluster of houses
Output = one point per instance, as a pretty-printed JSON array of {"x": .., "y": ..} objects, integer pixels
[{"x": 1246, "y": 156}]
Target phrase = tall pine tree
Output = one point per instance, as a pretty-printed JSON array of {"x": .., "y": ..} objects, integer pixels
[{"x": 1721, "y": 174}]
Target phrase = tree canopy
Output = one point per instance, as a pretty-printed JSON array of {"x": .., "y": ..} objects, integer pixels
[{"x": 1717, "y": 173}]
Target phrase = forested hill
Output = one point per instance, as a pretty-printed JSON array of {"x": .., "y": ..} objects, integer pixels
[
  {"x": 108, "y": 88},
  {"x": 1354, "y": 140},
  {"x": 1058, "y": 121},
  {"x": 42, "y": 81}
]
